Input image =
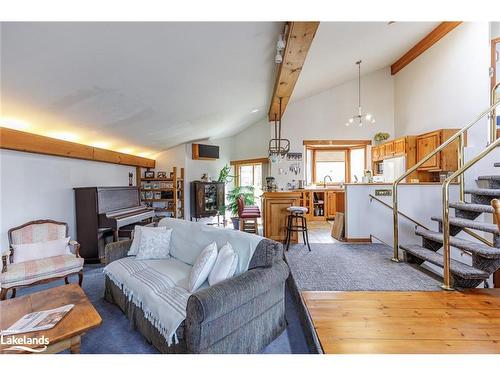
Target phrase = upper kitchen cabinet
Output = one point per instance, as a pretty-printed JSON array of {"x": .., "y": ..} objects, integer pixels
[{"x": 446, "y": 160}]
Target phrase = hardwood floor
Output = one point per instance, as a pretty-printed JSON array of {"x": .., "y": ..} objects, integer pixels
[
  {"x": 319, "y": 232},
  {"x": 406, "y": 322}
]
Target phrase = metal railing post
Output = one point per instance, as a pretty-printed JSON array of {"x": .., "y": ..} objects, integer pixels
[
  {"x": 395, "y": 256},
  {"x": 461, "y": 158},
  {"x": 446, "y": 238}
]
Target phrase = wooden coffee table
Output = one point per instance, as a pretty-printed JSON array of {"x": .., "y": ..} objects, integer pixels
[{"x": 68, "y": 332}]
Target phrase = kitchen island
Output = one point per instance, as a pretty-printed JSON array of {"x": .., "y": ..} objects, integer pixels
[{"x": 322, "y": 203}]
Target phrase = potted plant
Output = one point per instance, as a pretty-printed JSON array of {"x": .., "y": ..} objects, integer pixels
[
  {"x": 380, "y": 137},
  {"x": 247, "y": 192},
  {"x": 224, "y": 175}
]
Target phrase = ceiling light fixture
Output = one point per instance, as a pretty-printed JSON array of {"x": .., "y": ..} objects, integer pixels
[
  {"x": 360, "y": 118},
  {"x": 280, "y": 47},
  {"x": 278, "y": 147}
]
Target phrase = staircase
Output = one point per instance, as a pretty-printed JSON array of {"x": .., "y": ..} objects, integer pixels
[{"x": 485, "y": 259}]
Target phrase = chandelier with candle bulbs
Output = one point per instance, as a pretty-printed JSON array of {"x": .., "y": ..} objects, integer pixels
[{"x": 360, "y": 118}]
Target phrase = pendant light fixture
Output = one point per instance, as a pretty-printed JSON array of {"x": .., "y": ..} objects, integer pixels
[
  {"x": 278, "y": 147},
  {"x": 360, "y": 118}
]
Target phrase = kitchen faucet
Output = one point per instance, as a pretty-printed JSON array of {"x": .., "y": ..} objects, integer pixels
[{"x": 324, "y": 180}]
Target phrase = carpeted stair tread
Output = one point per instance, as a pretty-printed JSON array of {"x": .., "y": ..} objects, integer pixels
[
  {"x": 489, "y": 192},
  {"x": 458, "y": 268},
  {"x": 465, "y": 223},
  {"x": 472, "y": 207},
  {"x": 496, "y": 178},
  {"x": 474, "y": 247}
]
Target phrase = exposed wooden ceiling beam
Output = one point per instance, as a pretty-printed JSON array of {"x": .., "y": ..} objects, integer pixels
[
  {"x": 430, "y": 39},
  {"x": 298, "y": 40},
  {"x": 22, "y": 141}
]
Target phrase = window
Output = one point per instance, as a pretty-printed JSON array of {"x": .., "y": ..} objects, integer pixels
[
  {"x": 249, "y": 175},
  {"x": 343, "y": 163},
  {"x": 330, "y": 163}
]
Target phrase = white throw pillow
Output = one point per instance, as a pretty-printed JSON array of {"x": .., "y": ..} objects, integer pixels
[
  {"x": 202, "y": 266},
  {"x": 134, "y": 247},
  {"x": 225, "y": 265},
  {"x": 154, "y": 244},
  {"x": 40, "y": 250}
]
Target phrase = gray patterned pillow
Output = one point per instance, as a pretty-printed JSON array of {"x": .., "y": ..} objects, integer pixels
[
  {"x": 202, "y": 267},
  {"x": 155, "y": 244}
]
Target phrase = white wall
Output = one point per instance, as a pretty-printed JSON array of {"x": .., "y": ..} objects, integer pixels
[
  {"x": 446, "y": 86},
  {"x": 181, "y": 156},
  {"x": 323, "y": 116},
  {"x": 41, "y": 187},
  {"x": 253, "y": 142}
]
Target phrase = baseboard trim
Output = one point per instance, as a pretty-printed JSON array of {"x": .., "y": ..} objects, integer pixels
[{"x": 369, "y": 240}]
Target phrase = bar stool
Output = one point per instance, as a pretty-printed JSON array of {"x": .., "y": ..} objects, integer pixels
[{"x": 297, "y": 214}]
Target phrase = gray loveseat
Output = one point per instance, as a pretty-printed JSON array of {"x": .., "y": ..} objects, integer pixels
[{"x": 239, "y": 315}]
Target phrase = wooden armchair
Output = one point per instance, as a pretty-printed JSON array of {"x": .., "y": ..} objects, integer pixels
[{"x": 38, "y": 271}]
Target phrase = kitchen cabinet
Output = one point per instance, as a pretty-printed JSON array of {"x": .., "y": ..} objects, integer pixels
[
  {"x": 399, "y": 146},
  {"x": 388, "y": 149},
  {"x": 331, "y": 204},
  {"x": 446, "y": 160},
  {"x": 375, "y": 153}
]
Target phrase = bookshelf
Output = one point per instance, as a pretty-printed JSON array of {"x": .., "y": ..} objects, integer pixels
[{"x": 166, "y": 195}]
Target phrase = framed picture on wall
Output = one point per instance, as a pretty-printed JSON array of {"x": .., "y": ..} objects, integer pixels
[
  {"x": 161, "y": 175},
  {"x": 149, "y": 174}
]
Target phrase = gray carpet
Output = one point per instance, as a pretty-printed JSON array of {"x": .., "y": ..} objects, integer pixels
[
  {"x": 116, "y": 336},
  {"x": 345, "y": 266}
]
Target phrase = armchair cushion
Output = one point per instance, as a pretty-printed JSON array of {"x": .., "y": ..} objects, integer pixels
[
  {"x": 38, "y": 232},
  {"x": 30, "y": 272},
  {"x": 39, "y": 250}
]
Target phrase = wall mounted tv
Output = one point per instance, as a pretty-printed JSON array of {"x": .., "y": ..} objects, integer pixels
[{"x": 205, "y": 152}]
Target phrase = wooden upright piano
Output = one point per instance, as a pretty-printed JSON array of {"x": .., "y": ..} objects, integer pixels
[{"x": 101, "y": 210}]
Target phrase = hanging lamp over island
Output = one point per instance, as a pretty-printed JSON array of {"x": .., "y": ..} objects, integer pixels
[{"x": 361, "y": 118}]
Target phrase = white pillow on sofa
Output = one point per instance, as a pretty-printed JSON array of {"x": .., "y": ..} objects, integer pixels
[
  {"x": 40, "y": 250},
  {"x": 202, "y": 266},
  {"x": 225, "y": 265},
  {"x": 154, "y": 244},
  {"x": 134, "y": 247}
]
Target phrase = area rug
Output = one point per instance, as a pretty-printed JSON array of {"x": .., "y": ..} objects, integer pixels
[
  {"x": 343, "y": 266},
  {"x": 116, "y": 336}
]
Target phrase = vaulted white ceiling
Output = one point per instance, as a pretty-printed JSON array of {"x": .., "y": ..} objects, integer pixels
[
  {"x": 338, "y": 45},
  {"x": 145, "y": 87},
  {"x": 142, "y": 86}
]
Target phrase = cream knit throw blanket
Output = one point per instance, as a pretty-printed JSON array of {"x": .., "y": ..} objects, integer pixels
[{"x": 164, "y": 304}]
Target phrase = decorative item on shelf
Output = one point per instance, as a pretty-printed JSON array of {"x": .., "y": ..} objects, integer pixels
[
  {"x": 204, "y": 177},
  {"x": 270, "y": 184},
  {"x": 171, "y": 175},
  {"x": 380, "y": 137},
  {"x": 149, "y": 174},
  {"x": 278, "y": 147},
  {"x": 294, "y": 156},
  {"x": 130, "y": 178},
  {"x": 161, "y": 174},
  {"x": 157, "y": 195},
  {"x": 361, "y": 118}
]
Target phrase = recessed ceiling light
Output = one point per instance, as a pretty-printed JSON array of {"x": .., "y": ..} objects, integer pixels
[{"x": 255, "y": 110}]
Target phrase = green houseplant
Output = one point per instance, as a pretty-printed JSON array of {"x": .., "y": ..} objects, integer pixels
[
  {"x": 224, "y": 175},
  {"x": 247, "y": 192},
  {"x": 380, "y": 137}
]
